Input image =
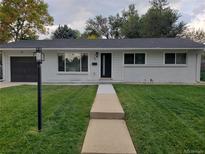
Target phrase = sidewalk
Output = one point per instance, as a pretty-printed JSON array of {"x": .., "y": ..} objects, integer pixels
[{"x": 107, "y": 132}]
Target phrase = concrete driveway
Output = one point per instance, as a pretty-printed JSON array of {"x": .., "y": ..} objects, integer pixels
[{"x": 11, "y": 84}]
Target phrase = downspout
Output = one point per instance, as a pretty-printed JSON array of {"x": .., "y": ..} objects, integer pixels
[
  {"x": 1, "y": 79},
  {"x": 198, "y": 66},
  {"x": 196, "y": 70},
  {"x": 3, "y": 65}
]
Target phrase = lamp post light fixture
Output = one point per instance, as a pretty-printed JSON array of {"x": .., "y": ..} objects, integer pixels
[
  {"x": 96, "y": 54},
  {"x": 39, "y": 59}
]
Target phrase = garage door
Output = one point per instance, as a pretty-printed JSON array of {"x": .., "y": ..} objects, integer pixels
[{"x": 23, "y": 69}]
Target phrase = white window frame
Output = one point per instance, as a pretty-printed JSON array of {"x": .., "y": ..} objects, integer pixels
[
  {"x": 134, "y": 58},
  {"x": 175, "y": 64},
  {"x": 70, "y": 72}
]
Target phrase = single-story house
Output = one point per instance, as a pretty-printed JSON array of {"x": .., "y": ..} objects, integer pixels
[{"x": 161, "y": 60}]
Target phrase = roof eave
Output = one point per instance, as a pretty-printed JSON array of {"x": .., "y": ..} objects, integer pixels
[{"x": 31, "y": 49}]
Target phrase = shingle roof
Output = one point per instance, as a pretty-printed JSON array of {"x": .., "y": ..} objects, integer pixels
[{"x": 102, "y": 43}]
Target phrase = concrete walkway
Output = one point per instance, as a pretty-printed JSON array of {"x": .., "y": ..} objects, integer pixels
[
  {"x": 106, "y": 104},
  {"x": 8, "y": 84},
  {"x": 12, "y": 84},
  {"x": 107, "y": 132}
]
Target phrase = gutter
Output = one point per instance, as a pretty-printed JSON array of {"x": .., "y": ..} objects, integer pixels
[{"x": 93, "y": 49}]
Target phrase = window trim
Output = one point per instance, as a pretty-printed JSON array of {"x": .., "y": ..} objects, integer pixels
[
  {"x": 175, "y": 64},
  {"x": 134, "y": 52},
  {"x": 73, "y": 73}
]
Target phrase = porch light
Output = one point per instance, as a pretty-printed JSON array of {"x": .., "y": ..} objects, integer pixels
[
  {"x": 39, "y": 59},
  {"x": 96, "y": 54}
]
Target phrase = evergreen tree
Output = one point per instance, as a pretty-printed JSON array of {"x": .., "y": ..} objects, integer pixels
[{"x": 63, "y": 32}]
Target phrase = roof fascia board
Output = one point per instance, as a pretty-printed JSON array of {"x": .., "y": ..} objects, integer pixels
[
  {"x": 33, "y": 49},
  {"x": 13, "y": 49}
]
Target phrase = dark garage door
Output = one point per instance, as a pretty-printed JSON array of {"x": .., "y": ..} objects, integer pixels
[{"x": 23, "y": 69}]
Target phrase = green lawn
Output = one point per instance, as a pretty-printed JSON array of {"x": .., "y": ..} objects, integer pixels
[
  {"x": 65, "y": 119},
  {"x": 165, "y": 119},
  {"x": 203, "y": 76}
]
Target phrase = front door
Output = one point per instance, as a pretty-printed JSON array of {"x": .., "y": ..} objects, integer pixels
[{"x": 106, "y": 65}]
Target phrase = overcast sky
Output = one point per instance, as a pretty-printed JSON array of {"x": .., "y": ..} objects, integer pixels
[{"x": 75, "y": 12}]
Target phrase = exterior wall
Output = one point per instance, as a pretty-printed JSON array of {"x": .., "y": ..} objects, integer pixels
[
  {"x": 52, "y": 75},
  {"x": 6, "y": 62},
  {"x": 50, "y": 66},
  {"x": 50, "y": 70},
  {"x": 154, "y": 69}
]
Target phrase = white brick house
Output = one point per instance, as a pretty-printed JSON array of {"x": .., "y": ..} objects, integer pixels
[{"x": 126, "y": 60}]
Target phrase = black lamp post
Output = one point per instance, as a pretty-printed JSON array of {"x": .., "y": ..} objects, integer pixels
[{"x": 39, "y": 59}]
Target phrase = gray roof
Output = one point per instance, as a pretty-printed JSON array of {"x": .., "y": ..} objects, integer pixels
[{"x": 103, "y": 43}]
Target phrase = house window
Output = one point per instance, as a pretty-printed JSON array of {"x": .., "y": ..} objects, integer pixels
[
  {"x": 134, "y": 58},
  {"x": 61, "y": 63},
  {"x": 170, "y": 58},
  {"x": 129, "y": 58},
  {"x": 139, "y": 58},
  {"x": 73, "y": 62},
  {"x": 84, "y": 62},
  {"x": 175, "y": 58},
  {"x": 181, "y": 58}
]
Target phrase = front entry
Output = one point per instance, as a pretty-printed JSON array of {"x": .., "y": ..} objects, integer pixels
[{"x": 106, "y": 65}]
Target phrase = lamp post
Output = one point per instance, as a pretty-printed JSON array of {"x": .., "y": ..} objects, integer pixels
[{"x": 39, "y": 59}]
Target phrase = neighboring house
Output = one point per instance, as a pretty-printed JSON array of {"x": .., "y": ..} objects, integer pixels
[{"x": 158, "y": 60}]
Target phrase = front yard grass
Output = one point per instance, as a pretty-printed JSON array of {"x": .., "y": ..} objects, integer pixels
[
  {"x": 165, "y": 119},
  {"x": 65, "y": 119}
]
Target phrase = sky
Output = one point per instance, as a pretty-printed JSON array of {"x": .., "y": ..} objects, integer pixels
[{"x": 74, "y": 13}]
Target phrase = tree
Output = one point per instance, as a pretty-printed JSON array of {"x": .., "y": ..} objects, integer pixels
[
  {"x": 126, "y": 25},
  {"x": 85, "y": 35},
  {"x": 193, "y": 34},
  {"x": 23, "y": 19},
  {"x": 63, "y": 32},
  {"x": 98, "y": 27},
  {"x": 130, "y": 27},
  {"x": 159, "y": 3},
  {"x": 115, "y": 23},
  {"x": 160, "y": 21}
]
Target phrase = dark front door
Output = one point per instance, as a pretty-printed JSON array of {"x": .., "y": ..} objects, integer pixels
[
  {"x": 106, "y": 65},
  {"x": 23, "y": 69}
]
